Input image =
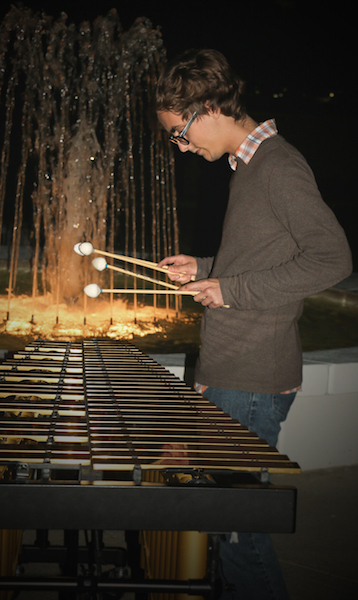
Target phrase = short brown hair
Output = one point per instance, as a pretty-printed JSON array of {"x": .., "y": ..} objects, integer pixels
[{"x": 199, "y": 80}]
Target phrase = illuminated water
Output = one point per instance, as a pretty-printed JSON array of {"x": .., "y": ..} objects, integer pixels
[
  {"x": 81, "y": 156},
  {"x": 330, "y": 320}
]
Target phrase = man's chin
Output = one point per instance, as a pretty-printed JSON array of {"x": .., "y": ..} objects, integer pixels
[
  {"x": 209, "y": 158},
  {"x": 204, "y": 155}
]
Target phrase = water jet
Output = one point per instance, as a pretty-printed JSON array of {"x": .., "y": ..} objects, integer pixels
[{"x": 82, "y": 157}]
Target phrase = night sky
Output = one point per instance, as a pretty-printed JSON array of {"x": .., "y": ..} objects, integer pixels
[
  {"x": 305, "y": 47},
  {"x": 297, "y": 58}
]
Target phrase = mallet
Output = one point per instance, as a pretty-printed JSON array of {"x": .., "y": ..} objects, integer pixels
[
  {"x": 100, "y": 264},
  {"x": 86, "y": 248},
  {"x": 93, "y": 291}
]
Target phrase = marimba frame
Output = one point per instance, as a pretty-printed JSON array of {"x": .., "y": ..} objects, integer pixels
[{"x": 89, "y": 424}]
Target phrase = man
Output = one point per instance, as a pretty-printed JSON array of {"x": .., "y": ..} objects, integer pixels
[{"x": 280, "y": 243}]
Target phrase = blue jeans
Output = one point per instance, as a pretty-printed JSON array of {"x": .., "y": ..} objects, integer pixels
[{"x": 250, "y": 569}]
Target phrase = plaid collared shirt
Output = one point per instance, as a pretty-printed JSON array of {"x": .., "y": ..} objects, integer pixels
[{"x": 247, "y": 149}]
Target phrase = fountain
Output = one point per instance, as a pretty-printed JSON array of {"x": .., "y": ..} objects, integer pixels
[
  {"x": 82, "y": 159},
  {"x": 81, "y": 156}
]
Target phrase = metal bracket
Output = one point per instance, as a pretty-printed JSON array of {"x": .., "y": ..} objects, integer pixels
[
  {"x": 86, "y": 473},
  {"x": 137, "y": 474},
  {"x": 22, "y": 473},
  {"x": 187, "y": 477},
  {"x": 264, "y": 476}
]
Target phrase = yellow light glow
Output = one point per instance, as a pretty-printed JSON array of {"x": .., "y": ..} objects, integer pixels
[{"x": 103, "y": 318}]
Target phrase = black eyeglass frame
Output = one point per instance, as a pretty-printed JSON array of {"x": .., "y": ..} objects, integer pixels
[{"x": 180, "y": 139}]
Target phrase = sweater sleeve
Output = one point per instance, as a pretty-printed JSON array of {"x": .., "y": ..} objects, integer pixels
[
  {"x": 322, "y": 257},
  {"x": 204, "y": 267}
]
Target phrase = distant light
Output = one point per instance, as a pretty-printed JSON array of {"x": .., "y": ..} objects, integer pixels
[{"x": 331, "y": 94}]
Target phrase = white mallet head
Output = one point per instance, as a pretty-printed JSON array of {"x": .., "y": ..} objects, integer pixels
[
  {"x": 100, "y": 263},
  {"x": 76, "y": 248},
  {"x": 86, "y": 248},
  {"x": 92, "y": 290}
]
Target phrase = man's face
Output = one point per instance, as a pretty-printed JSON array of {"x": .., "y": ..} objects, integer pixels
[{"x": 203, "y": 134}]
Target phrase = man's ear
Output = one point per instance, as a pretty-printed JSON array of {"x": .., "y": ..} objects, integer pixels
[{"x": 213, "y": 112}]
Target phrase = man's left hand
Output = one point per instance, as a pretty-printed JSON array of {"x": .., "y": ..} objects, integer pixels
[{"x": 209, "y": 292}]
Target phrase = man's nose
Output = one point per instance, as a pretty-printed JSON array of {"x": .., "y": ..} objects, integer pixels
[{"x": 183, "y": 147}]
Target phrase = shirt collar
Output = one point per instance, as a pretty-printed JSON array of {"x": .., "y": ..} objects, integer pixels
[{"x": 248, "y": 147}]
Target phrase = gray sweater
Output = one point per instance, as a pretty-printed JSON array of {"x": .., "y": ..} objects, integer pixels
[{"x": 280, "y": 244}]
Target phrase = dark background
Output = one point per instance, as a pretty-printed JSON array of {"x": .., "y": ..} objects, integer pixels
[{"x": 299, "y": 61}]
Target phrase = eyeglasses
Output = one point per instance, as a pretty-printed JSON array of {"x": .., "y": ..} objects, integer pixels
[{"x": 180, "y": 139}]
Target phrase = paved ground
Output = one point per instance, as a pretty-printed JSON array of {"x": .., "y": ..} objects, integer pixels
[{"x": 320, "y": 560}]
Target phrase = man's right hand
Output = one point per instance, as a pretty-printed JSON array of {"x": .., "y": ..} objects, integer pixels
[{"x": 181, "y": 268}]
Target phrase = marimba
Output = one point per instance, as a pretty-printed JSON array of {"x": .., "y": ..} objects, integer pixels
[{"x": 97, "y": 435}]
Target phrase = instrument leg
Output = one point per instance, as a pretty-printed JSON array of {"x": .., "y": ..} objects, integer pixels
[
  {"x": 70, "y": 567},
  {"x": 134, "y": 561},
  {"x": 213, "y": 566},
  {"x": 41, "y": 540},
  {"x": 95, "y": 552}
]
